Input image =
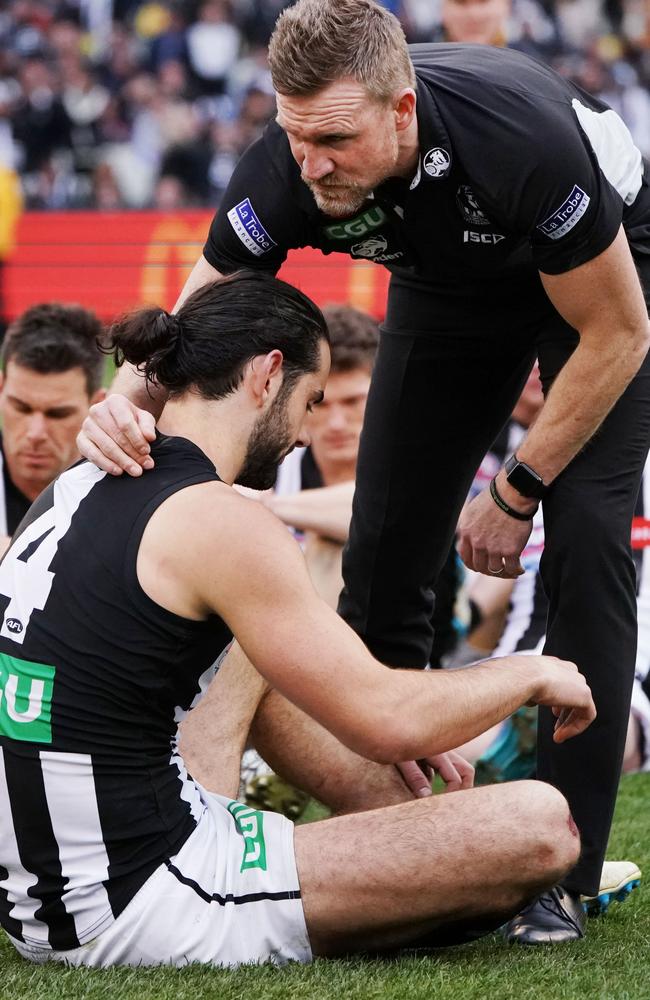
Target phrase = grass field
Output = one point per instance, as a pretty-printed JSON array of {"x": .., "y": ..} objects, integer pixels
[{"x": 612, "y": 963}]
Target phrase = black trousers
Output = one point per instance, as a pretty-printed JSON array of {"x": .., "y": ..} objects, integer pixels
[{"x": 442, "y": 388}]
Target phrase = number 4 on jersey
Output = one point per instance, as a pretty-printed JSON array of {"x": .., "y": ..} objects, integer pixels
[{"x": 25, "y": 577}]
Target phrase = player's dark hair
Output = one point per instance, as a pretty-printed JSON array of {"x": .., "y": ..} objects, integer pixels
[
  {"x": 52, "y": 338},
  {"x": 354, "y": 336},
  {"x": 218, "y": 330}
]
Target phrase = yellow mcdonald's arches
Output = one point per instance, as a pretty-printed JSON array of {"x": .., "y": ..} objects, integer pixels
[{"x": 174, "y": 248}]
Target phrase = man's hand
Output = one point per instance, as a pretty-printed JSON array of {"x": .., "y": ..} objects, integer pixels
[
  {"x": 115, "y": 436},
  {"x": 489, "y": 540},
  {"x": 456, "y": 772},
  {"x": 565, "y": 689}
]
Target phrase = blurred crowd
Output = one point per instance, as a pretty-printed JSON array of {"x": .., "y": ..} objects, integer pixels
[{"x": 111, "y": 104}]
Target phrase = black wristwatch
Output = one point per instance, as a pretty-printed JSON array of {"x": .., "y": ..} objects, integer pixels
[{"x": 524, "y": 479}]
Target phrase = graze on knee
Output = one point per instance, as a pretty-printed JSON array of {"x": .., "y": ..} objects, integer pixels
[{"x": 552, "y": 826}]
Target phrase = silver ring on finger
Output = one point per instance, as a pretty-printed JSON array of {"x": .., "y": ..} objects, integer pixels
[{"x": 496, "y": 572}]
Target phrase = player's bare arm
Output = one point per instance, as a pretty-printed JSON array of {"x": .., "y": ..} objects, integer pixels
[
  {"x": 305, "y": 651},
  {"x": 117, "y": 431}
]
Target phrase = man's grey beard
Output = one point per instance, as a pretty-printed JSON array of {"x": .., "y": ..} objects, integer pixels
[{"x": 347, "y": 201}]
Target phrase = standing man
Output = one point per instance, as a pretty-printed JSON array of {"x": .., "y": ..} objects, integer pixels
[
  {"x": 513, "y": 211},
  {"x": 52, "y": 373}
]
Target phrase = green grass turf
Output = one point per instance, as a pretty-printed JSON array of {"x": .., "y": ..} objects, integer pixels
[{"x": 612, "y": 963}]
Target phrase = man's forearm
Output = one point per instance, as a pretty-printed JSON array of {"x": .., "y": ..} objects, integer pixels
[
  {"x": 439, "y": 710},
  {"x": 326, "y": 511},
  {"x": 582, "y": 395},
  {"x": 603, "y": 301},
  {"x": 201, "y": 274}
]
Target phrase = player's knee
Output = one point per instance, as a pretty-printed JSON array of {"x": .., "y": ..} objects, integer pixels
[{"x": 555, "y": 846}]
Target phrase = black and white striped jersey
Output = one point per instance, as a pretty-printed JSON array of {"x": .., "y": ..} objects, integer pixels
[{"x": 94, "y": 679}]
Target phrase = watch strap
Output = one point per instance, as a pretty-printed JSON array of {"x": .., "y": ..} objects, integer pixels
[{"x": 505, "y": 507}]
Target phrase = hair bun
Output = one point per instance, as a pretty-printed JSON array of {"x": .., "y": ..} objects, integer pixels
[
  {"x": 148, "y": 337},
  {"x": 168, "y": 328}
]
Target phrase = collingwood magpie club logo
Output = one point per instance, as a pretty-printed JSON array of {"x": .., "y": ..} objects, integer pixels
[
  {"x": 469, "y": 207},
  {"x": 437, "y": 162},
  {"x": 372, "y": 248}
]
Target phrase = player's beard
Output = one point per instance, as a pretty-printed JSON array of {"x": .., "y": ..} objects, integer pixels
[
  {"x": 269, "y": 442},
  {"x": 339, "y": 198},
  {"x": 342, "y": 200}
]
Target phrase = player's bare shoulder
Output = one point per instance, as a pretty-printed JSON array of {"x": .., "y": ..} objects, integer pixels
[{"x": 204, "y": 534}]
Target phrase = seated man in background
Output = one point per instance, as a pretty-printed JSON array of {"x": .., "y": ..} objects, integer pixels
[
  {"x": 105, "y": 840},
  {"x": 52, "y": 372},
  {"x": 314, "y": 488}
]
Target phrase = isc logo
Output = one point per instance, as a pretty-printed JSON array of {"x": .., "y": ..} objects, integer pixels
[{"x": 470, "y": 236}]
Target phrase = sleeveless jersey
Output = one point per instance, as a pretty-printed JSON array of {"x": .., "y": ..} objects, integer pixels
[{"x": 94, "y": 679}]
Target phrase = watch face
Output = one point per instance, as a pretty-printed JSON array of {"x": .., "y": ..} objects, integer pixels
[{"x": 526, "y": 482}]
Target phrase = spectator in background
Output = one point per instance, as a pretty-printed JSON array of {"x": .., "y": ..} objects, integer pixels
[
  {"x": 213, "y": 44},
  {"x": 41, "y": 124},
  {"x": 314, "y": 489},
  {"x": 522, "y": 26},
  {"x": 260, "y": 19},
  {"x": 170, "y": 44},
  {"x": 52, "y": 373},
  {"x": 481, "y": 21}
]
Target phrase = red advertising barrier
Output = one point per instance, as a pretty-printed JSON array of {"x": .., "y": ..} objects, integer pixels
[{"x": 115, "y": 261}]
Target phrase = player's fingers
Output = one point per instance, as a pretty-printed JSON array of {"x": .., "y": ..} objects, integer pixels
[
  {"x": 147, "y": 424},
  {"x": 574, "y": 723},
  {"x": 512, "y": 567},
  {"x": 426, "y": 768},
  {"x": 112, "y": 452},
  {"x": 483, "y": 561},
  {"x": 126, "y": 418},
  {"x": 415, "y": 778},
  {"x": 464, "y": 768},
  {"x": 94, "y": 455},
  {"x": 449, "y": 774},
  {"x": 466, "y": 552}
]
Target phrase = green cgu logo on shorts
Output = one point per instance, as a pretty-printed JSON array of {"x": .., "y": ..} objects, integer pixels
[
  {"x": 26, "y": 699},
  {"x": 250, "y": 824}
]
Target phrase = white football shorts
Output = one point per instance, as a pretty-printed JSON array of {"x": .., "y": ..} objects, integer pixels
[{"x": 229, "y": 897}]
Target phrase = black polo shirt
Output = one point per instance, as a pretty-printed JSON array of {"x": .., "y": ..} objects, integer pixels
[{"x": 519, "y": 171}]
